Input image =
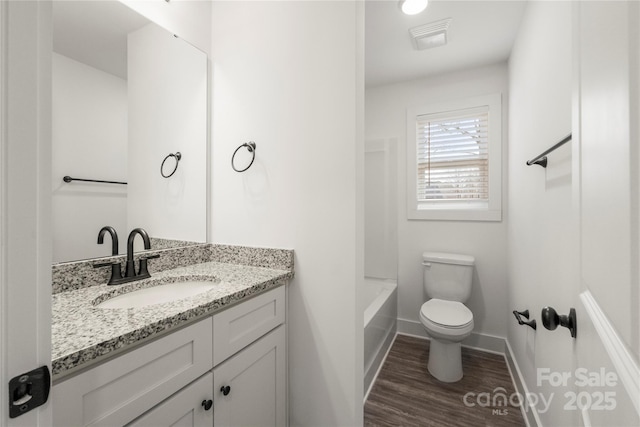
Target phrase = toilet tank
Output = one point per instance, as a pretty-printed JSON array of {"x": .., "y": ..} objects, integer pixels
[{"x": 447, "y": 276}]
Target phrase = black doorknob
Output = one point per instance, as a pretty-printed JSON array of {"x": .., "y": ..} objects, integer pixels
[
  {"x": 225, "y": 389},
  {"x": 207, "y": 404},
  {"x": 551, "y": 320}
]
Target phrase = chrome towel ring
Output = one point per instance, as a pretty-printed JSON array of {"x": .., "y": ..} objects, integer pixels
[
  {"x": 251, "y": 146},
  {"x": 177, "y": 156}
]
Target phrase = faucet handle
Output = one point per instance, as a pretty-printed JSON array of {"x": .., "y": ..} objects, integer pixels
[{"x": 144, "y": 271}]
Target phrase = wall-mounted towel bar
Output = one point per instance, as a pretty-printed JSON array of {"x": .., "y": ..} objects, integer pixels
[
  {"x": 520, "y": 314},
  {"x": 69, "y": 179},
  {"x": 541, "y": 160}
]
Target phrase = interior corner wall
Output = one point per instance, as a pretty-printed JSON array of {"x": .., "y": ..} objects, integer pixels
[
  {"x": 541, "y": 240},
  {"x": 89, "y": 140},
  {"x": 288, "y": 76},
  {"x": 386, "y": 108}
]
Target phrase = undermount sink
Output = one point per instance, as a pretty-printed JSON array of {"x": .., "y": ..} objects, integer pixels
[{"x": 158, "y": 294}]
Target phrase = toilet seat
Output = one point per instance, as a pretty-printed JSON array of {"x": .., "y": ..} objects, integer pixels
[
  {"x": 450, "y": 318},
  {"x": 452, "y": 314}
]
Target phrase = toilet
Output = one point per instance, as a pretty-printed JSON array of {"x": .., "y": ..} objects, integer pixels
[{"x": 447, "y": 282}]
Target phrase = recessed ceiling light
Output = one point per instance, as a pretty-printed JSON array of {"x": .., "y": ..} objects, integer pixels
[{"x": 412, "y": 7}]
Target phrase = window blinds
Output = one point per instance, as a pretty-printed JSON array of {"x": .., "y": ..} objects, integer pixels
[{"x": 453, "y": 156}]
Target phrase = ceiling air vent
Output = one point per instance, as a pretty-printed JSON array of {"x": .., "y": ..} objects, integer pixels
[{"x": 430, "y": 35}]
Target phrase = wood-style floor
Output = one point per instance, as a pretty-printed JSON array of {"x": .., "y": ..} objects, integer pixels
[{"x": 405, "y": 394}]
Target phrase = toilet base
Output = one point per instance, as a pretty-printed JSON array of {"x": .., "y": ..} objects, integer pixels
[{"x": 445, "y": 361}]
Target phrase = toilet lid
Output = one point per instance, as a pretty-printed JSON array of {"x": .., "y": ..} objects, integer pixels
[{"x": 447, "y": 313}]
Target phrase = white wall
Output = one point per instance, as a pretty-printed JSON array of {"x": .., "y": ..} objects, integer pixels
[
  {"x": 89, "y": 121},
  {"x": 167, "y": 114},
  {"x": 287, "y": 75},
  {"x": 542, "y": 261},
  {"x": 386, "y": 118}
]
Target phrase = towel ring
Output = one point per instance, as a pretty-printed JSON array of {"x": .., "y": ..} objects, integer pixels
[
  {"x": 177, "y": 156},
  {"x": 251, "y": 146}
]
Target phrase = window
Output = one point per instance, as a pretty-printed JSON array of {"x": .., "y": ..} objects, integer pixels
[{"x": 454, "y": 160}]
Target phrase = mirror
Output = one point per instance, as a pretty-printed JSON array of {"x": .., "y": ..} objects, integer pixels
[{"x": 127, "y": 95}]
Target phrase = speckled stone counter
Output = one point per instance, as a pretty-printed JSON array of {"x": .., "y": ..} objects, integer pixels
[{"x": 83, "y": 334}]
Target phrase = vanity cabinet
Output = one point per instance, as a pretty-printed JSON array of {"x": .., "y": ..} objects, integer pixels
[{"x": 235, "y": 358}]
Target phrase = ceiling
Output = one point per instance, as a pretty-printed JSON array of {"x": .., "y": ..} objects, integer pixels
[
  {"x": 481, "y": 33},
  {"x": 95, "y": 33}
]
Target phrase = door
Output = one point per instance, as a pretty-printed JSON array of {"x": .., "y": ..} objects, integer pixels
[
  {"x": 606, "y": 378},
  {"x": 249, "y": 388},
  {"x": 25, "y": 199},
  {"x": 190, "y": 407}
]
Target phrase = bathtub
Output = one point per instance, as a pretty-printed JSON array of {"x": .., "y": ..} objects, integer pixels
[{"x": 380, "y": 318}]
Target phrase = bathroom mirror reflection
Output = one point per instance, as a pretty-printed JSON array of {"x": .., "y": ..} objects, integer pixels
[{"x": 126, "y": 94}]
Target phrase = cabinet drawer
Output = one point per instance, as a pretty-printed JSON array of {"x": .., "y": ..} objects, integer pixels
[
  {"x": 117, "y": 391},
  {"x": 238, "y": 326}
]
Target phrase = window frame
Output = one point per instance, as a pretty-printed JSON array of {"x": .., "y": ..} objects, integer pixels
[{"x": 463, "y": 210}]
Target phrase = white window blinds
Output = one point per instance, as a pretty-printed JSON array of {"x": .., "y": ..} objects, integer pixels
[{"x": 453, "y": 156}]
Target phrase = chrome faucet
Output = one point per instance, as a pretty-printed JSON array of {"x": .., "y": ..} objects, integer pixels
[{"x": 130, "y": 274}]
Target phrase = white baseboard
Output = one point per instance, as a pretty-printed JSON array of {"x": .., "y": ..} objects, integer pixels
[
  {"x": 530, "y": 416},
  {"x": 489, "y": 343}
]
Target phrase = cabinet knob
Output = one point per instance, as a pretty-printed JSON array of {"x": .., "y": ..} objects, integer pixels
[
  {"x": 225, "y": 389},
  {"x": 207, "y": 404}
]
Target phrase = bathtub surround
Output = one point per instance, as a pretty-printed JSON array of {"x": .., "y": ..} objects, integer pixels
[{"x": 380, "y": 208}]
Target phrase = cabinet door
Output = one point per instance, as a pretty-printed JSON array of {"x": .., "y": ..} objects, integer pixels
[
  {"x": 256, "y": 381},
  {"x": 183, "y": 409}
]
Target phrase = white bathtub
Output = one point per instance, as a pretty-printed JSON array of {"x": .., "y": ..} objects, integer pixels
[{"x": 380, "y": 318}]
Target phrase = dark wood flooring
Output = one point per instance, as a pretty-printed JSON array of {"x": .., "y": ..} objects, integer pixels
[{"x": 405, "y": 394}]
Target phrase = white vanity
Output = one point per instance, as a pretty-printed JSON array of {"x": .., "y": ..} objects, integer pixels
[{"x": 214, "y": 359}]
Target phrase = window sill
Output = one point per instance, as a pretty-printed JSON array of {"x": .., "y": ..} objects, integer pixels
[{"x": 459, "y": 214}]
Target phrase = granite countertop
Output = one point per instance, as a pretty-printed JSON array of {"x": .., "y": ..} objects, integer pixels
[{"x": 83, "y": 333}]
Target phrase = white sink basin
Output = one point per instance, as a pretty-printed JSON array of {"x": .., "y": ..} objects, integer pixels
[{"x": 158, "y": 294}]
